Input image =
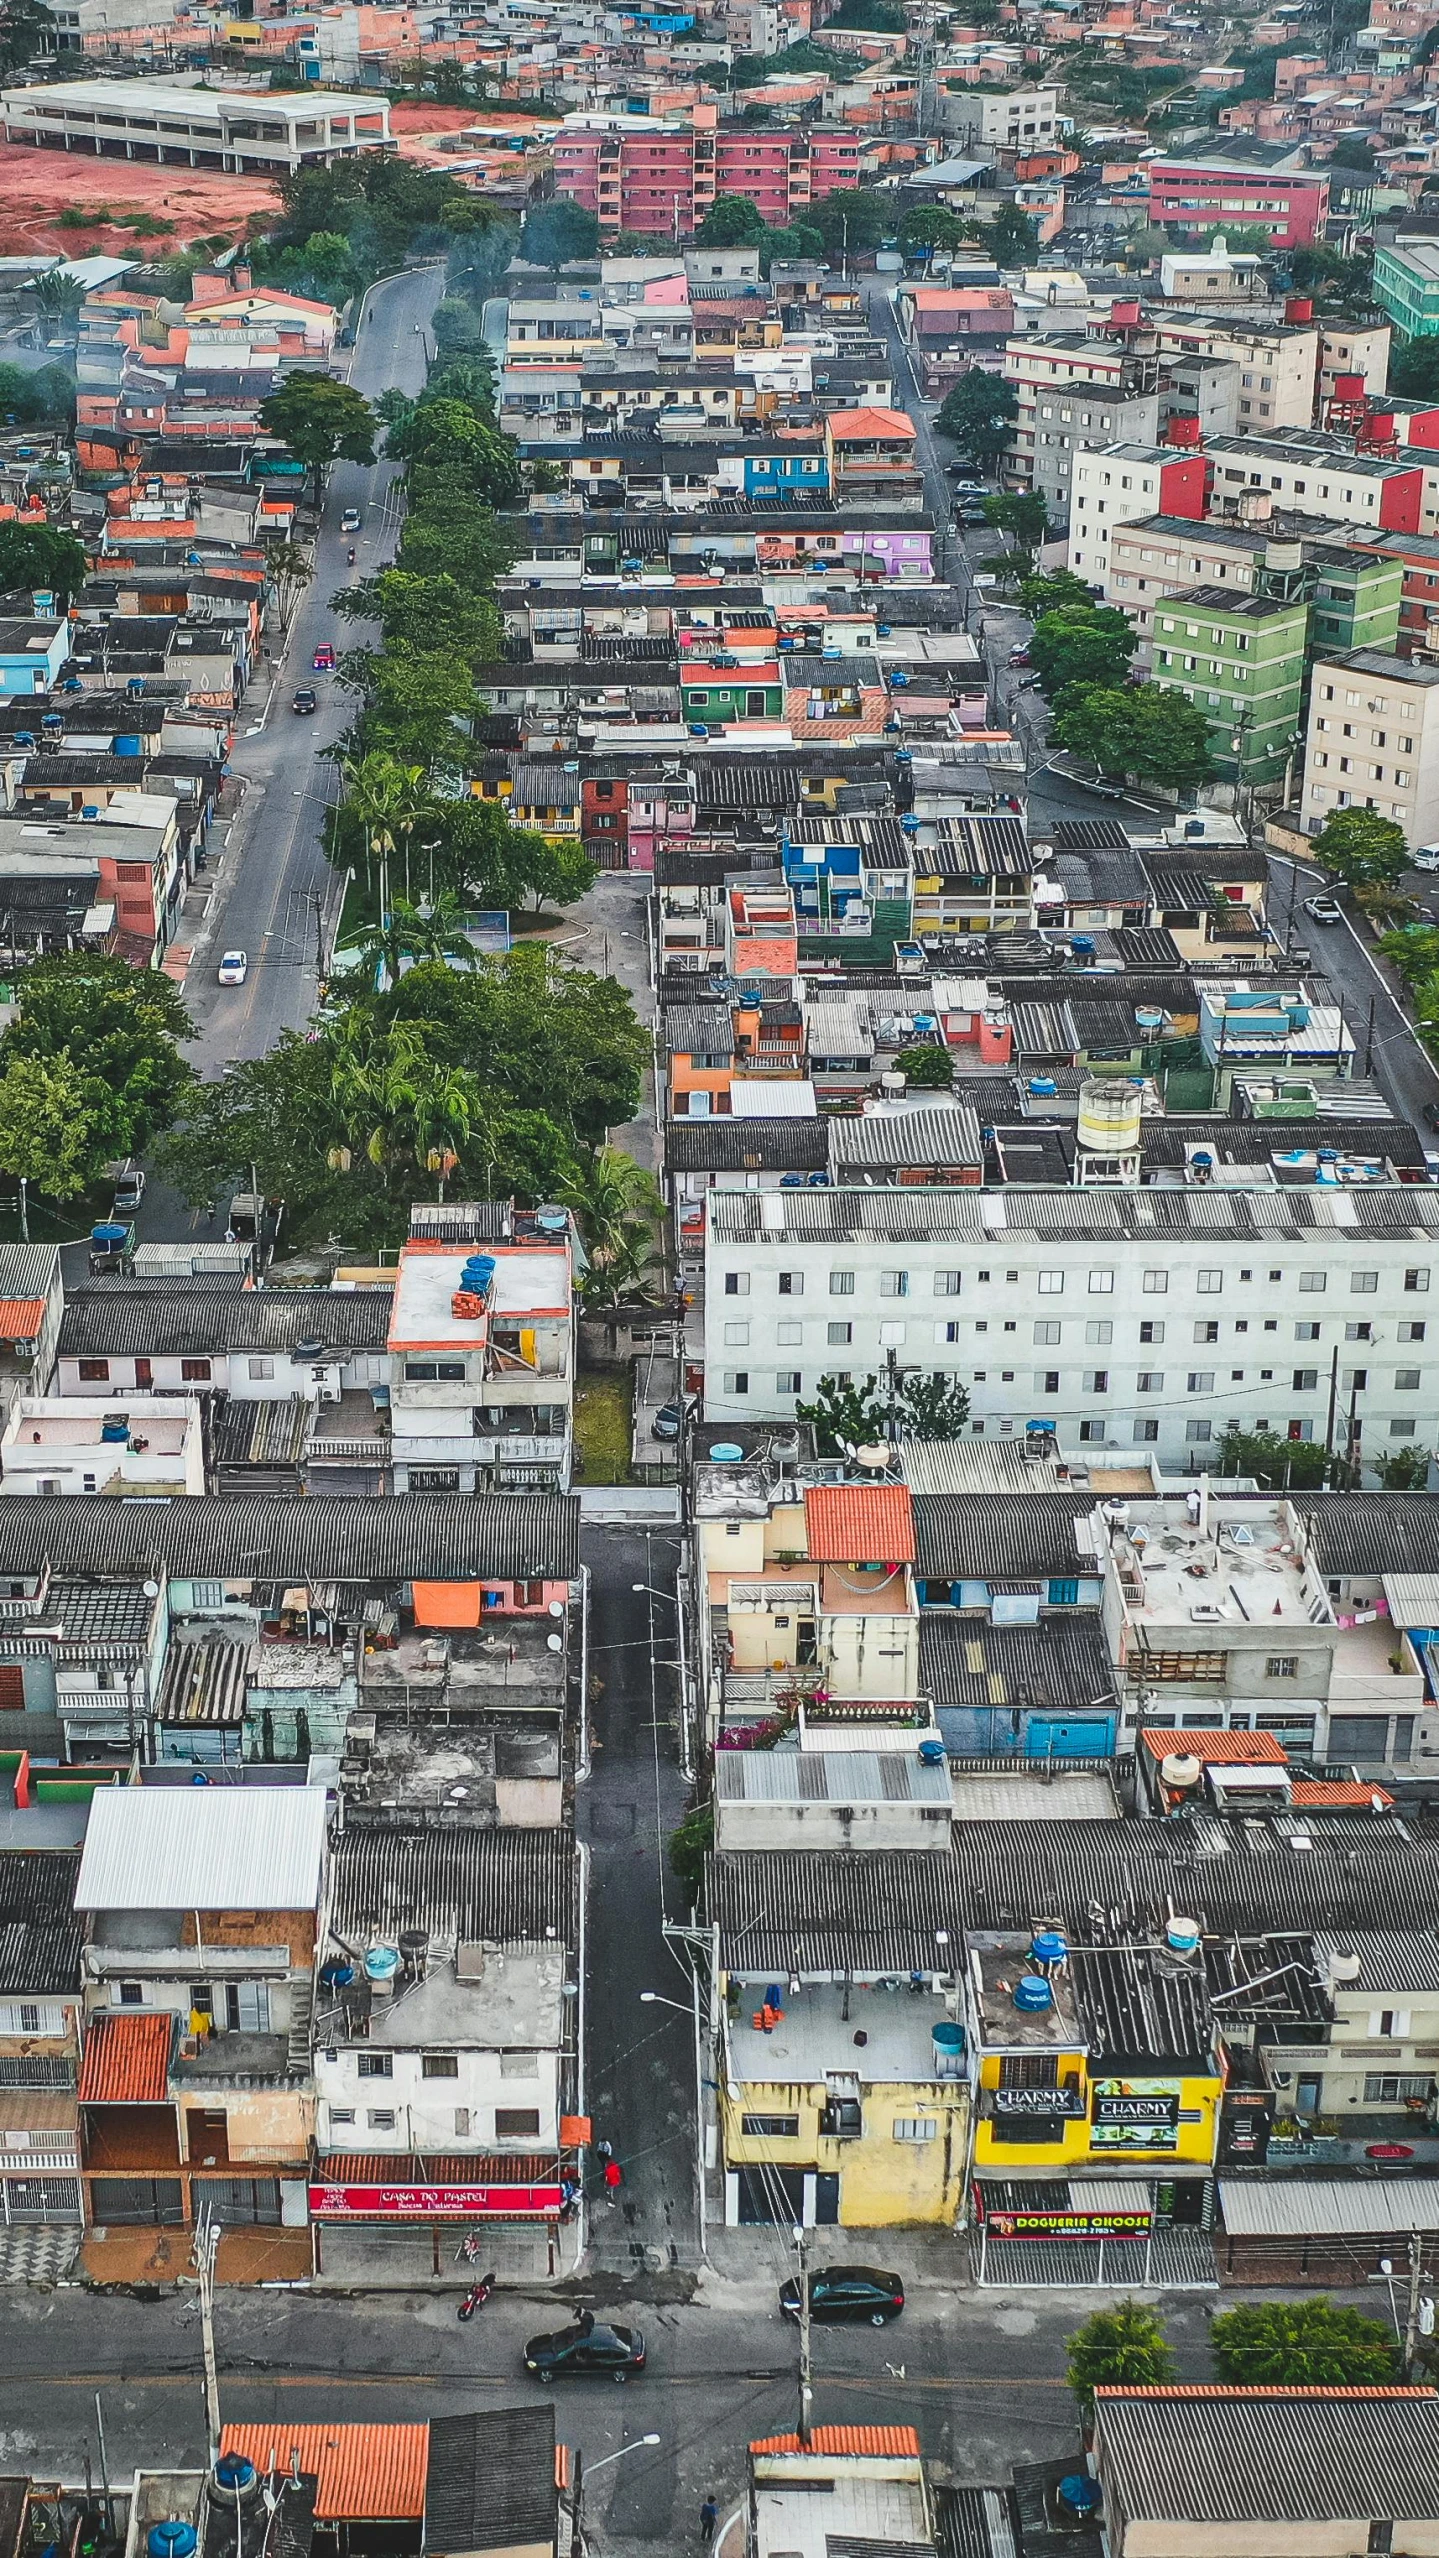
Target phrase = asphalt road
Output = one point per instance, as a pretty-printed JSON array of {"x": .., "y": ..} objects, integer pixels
[
  {"x": 274, "y": 869},
  {"x": 1387, "y": 1046}
]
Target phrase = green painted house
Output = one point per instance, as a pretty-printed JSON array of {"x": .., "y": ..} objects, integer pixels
[
  {"x": 1406, "y": 285},
  {"x": 1354, "y": 601},
  {"x": 710, "y": 691}
]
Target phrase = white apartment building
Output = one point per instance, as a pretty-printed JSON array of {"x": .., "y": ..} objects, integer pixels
[
  {"x": 1036, "y": 365},
  {"x": 1135, "y": 1320},
  {"x": 1354, "y": 350},
  {"x": 1116, "y": 485},
  {"x": 1277, "y": 364},
  {"x": 482, "y": 1385},
  {"x": 1167, "y": 555},
  {"x": 1318, "y": 475},
  {"x": 1067, "y": 423},
  {"x": 1010, "y": 120},
  {"x": 235, "y": 129},
  {"x": 1373, "y": 741}
]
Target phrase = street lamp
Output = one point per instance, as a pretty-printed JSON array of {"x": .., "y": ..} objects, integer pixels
[
  {"x": 652, "y": 1998},
  {"x": 640, "y": 1588},
  {"x": 645, "y": 2442}
]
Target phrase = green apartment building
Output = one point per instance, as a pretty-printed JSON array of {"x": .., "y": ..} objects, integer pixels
[
  {"x": 1406, "y": 285},
  {"x": 1355, "y": 600},
  {"x": 1240, "y": 659}
]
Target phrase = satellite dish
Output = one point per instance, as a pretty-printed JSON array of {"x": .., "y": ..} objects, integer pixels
[
  {"x": 554, "y": 1643},
  {"x": 152, "y": 1589},
  {"x": 557, "y": 1607}
]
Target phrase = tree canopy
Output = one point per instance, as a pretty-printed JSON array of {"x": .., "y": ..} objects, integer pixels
[
  {"x": 1151, "y": 734},
  {"x": 979, "y": 412},
  {"x": 1125, "y": 2344},
  {"x": 1305, "y": 2344},
  {"x": 1277, "y": 1464},
  {"x": 41, "y": 555},
  {"x": 1081, "y": 644},
  {"x": 1362, "y": 849},
  {"x": 320, "y": 420},
  {"x": 90, "y": 1066},
  {"x": 559, "y": 233}
]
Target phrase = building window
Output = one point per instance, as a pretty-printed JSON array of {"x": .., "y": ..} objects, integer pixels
[
  {"x": 791, "y": 1283},
  {"x": 1051, "y": 1283},
  {"x": 787, "y": 1381},
  {"x": 915, "y": 2127},
  {"x": 1282, "y": 1665},
  {"x": 1186, "y": 1669},
  {"x": 1198, "y": 1433},
  {"x": 1411, "y": 1332},
  {"x": 1208, "y": 1283},
  {"x": 1201, "y": 1381},
  {"x": 841, "y": 1283},
  {"x": 1415, "y": 1282},
  {"x": 736, "y": 1381},
  {"x": 1156, "y": 1283},
  {"x": 1046, "y": 1335},
  {"x": 517, "y": 2123},
  {"x": 894, "y": 1283},
  {"x": 261, "y": 1367},
  {"x": 1090, "y": 1431},
  {"x": 439, "y": 2065},
  {"x": 1206, "y": 1332},
  {"x": 94, "y": 1372},
  {"x": 946, "y": 1283},
  {"x": 1363, "y": 1283},
  {"x": 1388, "y": 2087},
  {"x": 770, "y": 2127},
  {"x": 1305, "y": 1380},
  {"x": 374, "y": 2065},
  {"x": 195, "y": 1372},
  {"x": 1306, "y": 1332},
  {"x": 1099, "y": 1334},
  {"x": 1152, "y": 1333},
  {"x": 1101, "y": 1283},
  {"x": 130, "y": 1994},
  {"x": 1145, "y": 1433},
  {"x": 839, "y": 1334},
  {"x": 1312, "y": 1283},
  {"x": 736, "y": 1283}
]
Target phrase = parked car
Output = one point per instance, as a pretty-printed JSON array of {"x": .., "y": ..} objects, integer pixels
[
  {"x": 1019, "y": 657},
  {"x": 129, "y": 1189},
  {"x": 1430, "y": 1114},
  {"x": 840, "y": 2292},
  {"x": 305, "y": 700},
  {"x": 323, "y": 661},
  {"x": 1427, "y": 858},
  {"x": 350, "y": 520},
  {"x": 586, "y": 2350},
  {"x": 668, "y": 1422},
  {"x": 1323, "y": 910},
  {"x": 233, "y": 970}
]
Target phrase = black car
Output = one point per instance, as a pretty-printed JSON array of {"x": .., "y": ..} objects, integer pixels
[
  {"x": 586, "y": 2350},
  {"x": 305, "y": 700},
  {"x": 846, "y": 2291}
]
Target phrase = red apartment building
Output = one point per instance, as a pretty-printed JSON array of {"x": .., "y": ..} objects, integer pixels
[
  {"x": 1189, "y": 197},
  {"x": 642, "y": 174}
]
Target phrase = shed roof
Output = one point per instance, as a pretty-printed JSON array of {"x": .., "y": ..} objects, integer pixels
[
  {"x": 1244, "y": 2456},
  {"x": 491, "y": 2482},
  {"x": 203, "y": 1848},
  {"x": 127, "y": 2060},
  {"x": 40, "y": 1936},
  {"x": 365, "y": 2473},
  {"x": 267, "y": 1536},
  {"x": 859, "y": 1523}
]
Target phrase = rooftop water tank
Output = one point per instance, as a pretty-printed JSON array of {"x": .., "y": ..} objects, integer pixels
[
  {"x": 1344, "y": 1966},
  {"x": 1079, "y": 2493},
  {"x": 1032, "y": 1995},
  {"x": 1298, "y": 311},
  {"x": 948, "y": 2050},
  {"x": 234, "y": 2480},
  {"x": 1180, "y": 1773},
  {"x": 1111, "y": 1108},
  {"x": 1047, "y": 1946},
  {"x": 726, "y": 1452},
  {"x": 1182, "y": 1936},
  {"x": 171, "y": 2539},
  {"x": 932, "y": 1754},
  {"x": 382, "y": 1962}
]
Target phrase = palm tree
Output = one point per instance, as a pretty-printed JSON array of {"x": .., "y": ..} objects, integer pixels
[
  {"x": 619, "y": 1210},
  {"x": 376, "y": 1074},
  {"x": 375, "y": 787},
  {"x": 436, "y": 932},
  {"x": 289, "y": 568},
  {"x": 412, "y": 801},
  {"x": 446, "y": 1109}
]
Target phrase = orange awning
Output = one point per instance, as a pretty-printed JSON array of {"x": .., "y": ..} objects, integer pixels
[{"x": 453, "y": 1603}]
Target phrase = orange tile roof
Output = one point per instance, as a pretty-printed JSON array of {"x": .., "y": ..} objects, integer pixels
[
  {"x": 869, "y": 2442},
  {"x": 127, "y": 2060},
  {"x": 857, "y": 426},
  {"x": 1336, "y": 1794},
  {"x": 1216, "y": 1749},
  {"x": 20, "y": 1318},
  {"x": 366, "y": 2473},
  {"x": 859, "y": 1523}
]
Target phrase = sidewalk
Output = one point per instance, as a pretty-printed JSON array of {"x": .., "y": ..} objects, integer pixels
[{"x": 149, "y": 2256}]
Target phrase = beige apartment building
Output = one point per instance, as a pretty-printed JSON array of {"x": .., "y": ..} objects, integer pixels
[
  {"x": 1373, "y": 741},
  {"x": 1277, "y": 364}
]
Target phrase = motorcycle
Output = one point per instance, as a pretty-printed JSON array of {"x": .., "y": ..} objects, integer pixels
[
  {"x": 350, "y": 555},
  {"x": 476, "y": 2297}
]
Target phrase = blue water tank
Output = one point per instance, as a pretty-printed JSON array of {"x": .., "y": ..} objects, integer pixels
[
  {"x": 479, "y": 1273},
  {"x": 932, "y": 1754},
  {"x": 382, "y": 1963},
  {"x": 171, "y": 2540},
  {"x": 1032, "y": 1995},
  {"x": 127, "y": 746},
  {"x": 1079, "y": 2492},
  {"x": 1048, "y": 1946}
]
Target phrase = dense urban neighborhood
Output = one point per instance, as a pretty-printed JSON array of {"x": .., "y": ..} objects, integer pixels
[{"x": 682, "y": 681}]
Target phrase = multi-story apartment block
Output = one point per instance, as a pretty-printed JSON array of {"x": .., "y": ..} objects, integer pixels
[
  {"x": 1189, "y": 197},
  {"x": 1373, "y": 741},
  {"x": 1124, "y": 1319},
  {"x": 1406, "y": 284},
  {"x": 1317, "y": 474},
  {"x": 1240, "y": 659},
  {"x": 1278, "y": 359},
  {"x": 1350, "y": 607},
  {"x": 1004, "y": 120},
  {"x": 482, "y": 1363},
  {"x": 1068, "y": 363},
  {"x": 661, "y": 174},
  {"x": 1121, "y": 484},
  {"x": 1087, "y": 420}
]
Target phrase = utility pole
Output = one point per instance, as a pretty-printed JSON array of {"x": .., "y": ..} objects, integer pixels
[
  {"x": 1333, "y": 1402},
  {"x": 1420, "y": 2321},
  {"x": 202, "y": 2257},
  {"x": 806, "y": 2368}
]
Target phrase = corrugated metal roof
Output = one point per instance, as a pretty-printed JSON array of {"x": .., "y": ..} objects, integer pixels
[
  {"x": 491, "y": 2482},
  {"x": 946, "y": 1134},
  {"x": 268, "y": 1536},
  {"x": 119, "y": 1322},
  {"x": 865, "y": 2442},
  {"x": 1372, "y": 1533},
  {"x": 1387, "y": 1961},
  {"x": 1413, "y": 1597},
  {"x": 508, "y": 1887},
  {"x": 827, "y": 1776},
  {"x": 203, "y": 1848},
  {"x": 1289, "y": 2457},
  {"x": 365, "y": 2473},
  {"x": 126, "y": 2060},
  {"x": 40, "y": 1936},
  {"x": 1048, "y": 1791},
  {"x": 859, "y": 1523},
  {"x": 973, "y": 1465},
  {"x": 1061, "y": 1662},
  {"x": 984, "y": 1536},
  {"x": 204, "y": 1680},
  {"x": 744, "y": 1145}
]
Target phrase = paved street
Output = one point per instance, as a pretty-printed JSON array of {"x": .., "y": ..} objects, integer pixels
[{"x": 274, "y": 868}]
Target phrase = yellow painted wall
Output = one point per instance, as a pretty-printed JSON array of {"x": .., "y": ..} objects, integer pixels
[
  {"x": 1193, "y": 2144},
  {"x": 884, "y": 2183}
]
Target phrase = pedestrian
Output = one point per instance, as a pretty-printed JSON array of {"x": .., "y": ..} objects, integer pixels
[
  {"x": 709, "y": 2516},
  {"x": 614, "y": 2179},
  {"x": 604, "y": 2150}
]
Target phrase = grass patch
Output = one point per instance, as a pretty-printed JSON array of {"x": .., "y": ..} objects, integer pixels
[{"x": 602, "y": 1429}]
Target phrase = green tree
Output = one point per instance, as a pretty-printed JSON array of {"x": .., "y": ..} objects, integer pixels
[
  {"x": 41, "y": 555},
  {"x": 1414, "y": 370},
  {"x": 877, "y": 17},
  {"x": 845, "y": 1416},
  {"x": 732, "y": 222},
  {"x": 51, "y": 1124},
  {"x": 931, "y": 226},
  {"x": 450, "y": 532},
  {"x": 1081, "y": 644},
  {"x": 320, "y": 421},
  {"x": 620, "y": 1213},
  {"x": 1041, "y": 595},
  {"x": 289, "y": 569},
  {"x": 1407, "y": 1470},
  {"x": 324, "y": 268},
  {"x": 559, "y": 234},
  {"x": 27, "y": 32},
  {"x": 1276, "y": 1464},
  {"x": 851, "y": 221},
  {"x": 979, "y": 412},
  {"x": 1152, "y": 734},
  {"x": 1013, "y": 238},
  {"x": 419, "y": 704},
  {"x": 926, "y": 1069},
  {"x": 1306, "y": 2344},
  {"x": 1121, "y": 2346},
  {"x": 425, "y": 613},
  {"x": 933, "y": 1407},
  {"x": 1024, "y": 515},
  {"x": 1363, "y": 850},
  {"x": 118, "y": 1027},
  {"x": 449, "y": 435},
  {"x": 690, "y": 1846}
]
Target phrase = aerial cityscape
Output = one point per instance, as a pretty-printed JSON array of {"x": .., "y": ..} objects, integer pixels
[{"x": 682, "y": 681}]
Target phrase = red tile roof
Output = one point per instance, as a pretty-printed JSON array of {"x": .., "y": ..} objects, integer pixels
[
  {"x": 127, "y": 2060},
  {"x": 859, "y": 1523},
  {"x": 869, "y": 2442},
  {"x": 366, "y": 2473},
  {"x": 21, "y": 1318},
  {"x": 1337, "y": 1794},
  {"x": 855, "y": 426},
  {"x": 1215, "y": 1749}
]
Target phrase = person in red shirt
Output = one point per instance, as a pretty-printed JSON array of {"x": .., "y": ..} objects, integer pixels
[{"x": 614, "y": 2179}]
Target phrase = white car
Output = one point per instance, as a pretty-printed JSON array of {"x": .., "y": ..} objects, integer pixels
[
  {"x": 234, "y": 968},
  {"x": 1324, "y": 910},
  {"x": 350, "y": 520},
  {"x": 1427, "y": 858}
]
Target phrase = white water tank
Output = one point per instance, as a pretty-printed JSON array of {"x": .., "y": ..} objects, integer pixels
[
  {"x": 1179, "y": 1773},
  {"x": 1110, "y": 1111}
]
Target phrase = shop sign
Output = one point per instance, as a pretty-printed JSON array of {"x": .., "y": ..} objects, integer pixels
[
  {"x": 1036, "y": 2100},
  {"x": 1135, "y": 2113},
  {"x": 435, "y": 2202},
  {"x": 1032, "y": 2223}
]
